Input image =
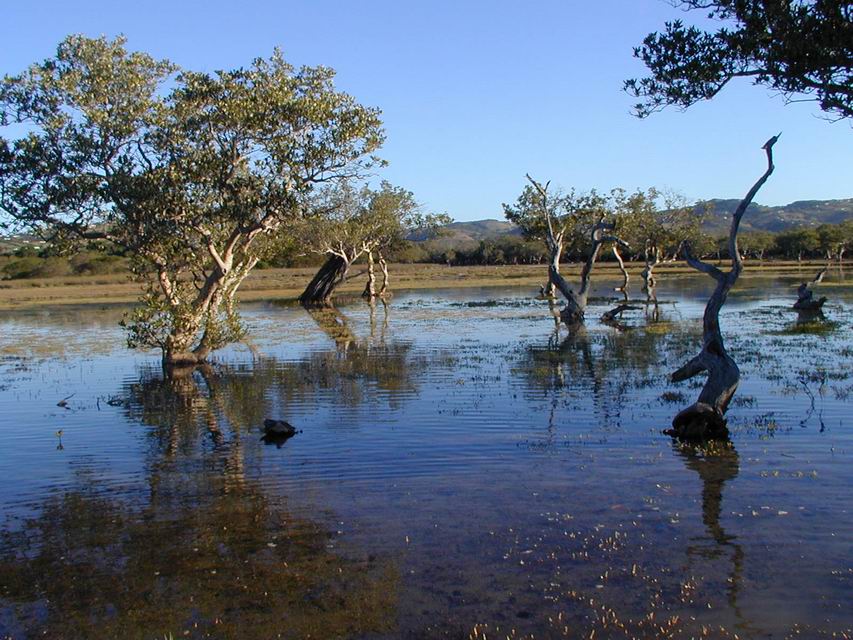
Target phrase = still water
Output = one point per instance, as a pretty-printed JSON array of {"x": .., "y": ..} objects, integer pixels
[{"x": 465, "y": 469}]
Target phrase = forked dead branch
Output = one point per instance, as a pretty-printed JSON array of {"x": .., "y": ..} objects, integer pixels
[
  {"x": 705, "y": 418},
  {"x": 576, "y": 302}
]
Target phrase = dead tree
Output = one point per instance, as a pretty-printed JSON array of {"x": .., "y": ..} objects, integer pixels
[
  {"x": 805, "y": 295},
  {"x": 573, "y": 312},
  {"x": 554, "y": 239},
  {"x": 705, "y": 418},
  {"x": 625, "y": 277}
]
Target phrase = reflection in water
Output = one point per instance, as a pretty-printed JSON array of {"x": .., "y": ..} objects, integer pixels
[
  {"x": 716, "y": 463},
  {"x": 208, "y": 554},
  {"x": 417, "y": 502}
]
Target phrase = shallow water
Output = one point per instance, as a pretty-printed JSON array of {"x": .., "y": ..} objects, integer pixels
[{"x": 465, "y": 469}]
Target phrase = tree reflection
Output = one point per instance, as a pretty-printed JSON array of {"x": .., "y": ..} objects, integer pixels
[
  {"x": 209, "y": 553},
  {"x": 200, "y": 561},
  {"x": 716, "y": 463}
]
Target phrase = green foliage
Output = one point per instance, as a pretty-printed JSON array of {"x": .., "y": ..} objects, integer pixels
[
  {"x": 36, "y": 267},
  {"x": 192, "y": 182},
  {"x": 797, "y": 242},
  {"x": 350, "y": 220},
  {"x": 796, "y": 48},
  {"x": 572, "y": 215},
  {"x": 506, "y": 250},
  {"x": 756, "y": 243},
  {"x": 655, "y": 225}
]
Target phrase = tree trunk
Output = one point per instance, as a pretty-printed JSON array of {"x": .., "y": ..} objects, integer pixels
[
  {"x": 383, "y": 290},
  {"x": 648, "y": 274},
  {"x": 555, "y": 251},
  {"x": 622, "y": 268},
  {"x": 319, "y": 291},
  {"x": 805, "y": 296},
  {"x": 370, "y": 287},
  {"x": 705, "y": 418},
  {"x": 573, "y": 313}
]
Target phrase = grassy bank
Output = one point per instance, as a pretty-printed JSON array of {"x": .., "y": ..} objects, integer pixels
[{"x": 289, "y": 283}]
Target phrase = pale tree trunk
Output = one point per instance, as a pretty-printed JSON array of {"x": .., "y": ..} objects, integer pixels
[
  {"x": 555, "y": 251},
  {"x": 625, "y": 277},
  {"x": 370, "y": 287},
  {"x": 232, "y": 264},
  {"x": 383, "y": 266},
  {"x": 705, "y": 418},
  {"x": 648, "y": 275},
  {"x": 553, "y": 240},
  {"x": 184, "y": 347}
]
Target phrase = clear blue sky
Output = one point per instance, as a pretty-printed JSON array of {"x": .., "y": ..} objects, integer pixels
[{"x": 475, "y": 94}]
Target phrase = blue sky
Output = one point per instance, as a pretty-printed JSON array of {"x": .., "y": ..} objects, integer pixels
[{"x": 475, "y": 94}]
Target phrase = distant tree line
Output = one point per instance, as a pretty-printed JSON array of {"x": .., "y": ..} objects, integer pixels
[{"x": 827, "y": 241}]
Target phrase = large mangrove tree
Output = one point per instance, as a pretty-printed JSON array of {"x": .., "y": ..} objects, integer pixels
[{"x": 191, "y": 173}]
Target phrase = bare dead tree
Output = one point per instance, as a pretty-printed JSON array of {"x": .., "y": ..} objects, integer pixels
[
  {"x": 653, "y": 257},
  {"x": 573, "y": 312},
  {"x": 554, "y": 237},
  {"x": 625, "y": 277},
  {"x": 705, "y": 418},
  {"x": 805, "y": 295}
]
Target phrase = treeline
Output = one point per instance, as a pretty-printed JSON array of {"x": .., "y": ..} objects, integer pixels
[{"x": 827, "y": 241}]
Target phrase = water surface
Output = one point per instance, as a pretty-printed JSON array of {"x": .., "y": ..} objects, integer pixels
[{"x": 465, "y": 469}]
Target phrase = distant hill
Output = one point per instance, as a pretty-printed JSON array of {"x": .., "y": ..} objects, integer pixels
[
  {"x": 468, "y": 234},
  {"x": 10, "y": 244},
  {"x": 803, "y": 213}
]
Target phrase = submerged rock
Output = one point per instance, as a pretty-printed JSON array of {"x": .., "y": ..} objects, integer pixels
[{"x": 279, "y": 428}]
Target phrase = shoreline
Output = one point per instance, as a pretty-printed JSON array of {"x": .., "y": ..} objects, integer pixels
[{"x": 288, "y": 283}]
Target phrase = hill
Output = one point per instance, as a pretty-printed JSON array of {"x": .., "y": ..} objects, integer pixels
[{"x": 803, "y": 213}]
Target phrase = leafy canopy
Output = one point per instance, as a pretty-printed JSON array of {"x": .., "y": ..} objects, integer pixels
[
  {"x": 190, "y": 172},
  {"x": 802, "y": 49}
]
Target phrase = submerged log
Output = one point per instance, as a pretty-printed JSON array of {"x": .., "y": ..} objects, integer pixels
[{"x": 706, "y": 417}]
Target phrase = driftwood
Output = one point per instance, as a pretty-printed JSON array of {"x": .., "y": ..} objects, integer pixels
[
  {"x": 612, "y": 318},
  {"x": 617, "y": 311},
  {"x": 805, "y": 296},
  {"x": 705, "y": 418}
]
